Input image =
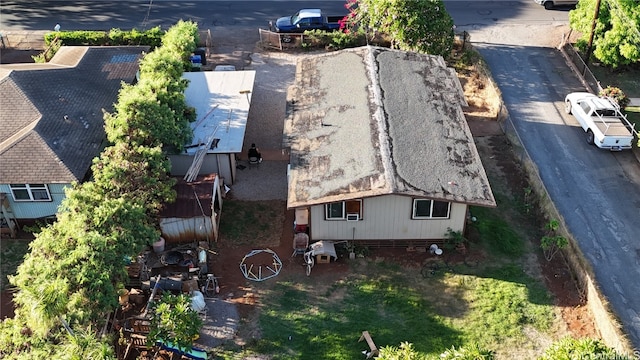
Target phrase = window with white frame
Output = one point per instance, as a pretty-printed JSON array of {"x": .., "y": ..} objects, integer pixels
[
  {"x": 430, "y": 209},
  {"x": 344, "y": 210},
  {"x": 30, "y": 192}
]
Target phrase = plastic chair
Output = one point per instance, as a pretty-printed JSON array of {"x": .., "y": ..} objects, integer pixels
[
  {"x": 254, "y": 161},
  {"x": 300, "y": 244}
]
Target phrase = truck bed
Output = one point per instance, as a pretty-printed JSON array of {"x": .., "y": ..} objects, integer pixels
[{"x": 611, "y": 126}]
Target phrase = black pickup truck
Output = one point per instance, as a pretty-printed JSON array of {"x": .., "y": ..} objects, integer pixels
[{"x": 306, "y": 19}]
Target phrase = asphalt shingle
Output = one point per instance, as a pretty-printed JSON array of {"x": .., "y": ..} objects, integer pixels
[
  {"x": 373, "y": 121},
  {"x": 63, "y": 104}
]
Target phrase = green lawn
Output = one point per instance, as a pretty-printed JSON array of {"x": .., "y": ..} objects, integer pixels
[
  {"x": 495, "y": 307},
  {"x": 494, "y": 303},
  {"x": 627, "y": 79},
  {"x": 633, "y": 115}
]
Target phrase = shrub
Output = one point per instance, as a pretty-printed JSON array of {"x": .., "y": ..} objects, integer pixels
[
  {"x": 114, "y": 37},
  {"x": 151, "y": 37},
  {"x": 404, "y": 352},
  {"x": 552, "y": 243},
  {"x": 569, "y": 348},
  {"x": 173, "y": 320},
  {"x": 470, "y": 352},
  {"x": 616, "y": 94}
]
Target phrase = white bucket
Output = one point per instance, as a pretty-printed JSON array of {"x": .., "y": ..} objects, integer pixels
[{"x": 158, "y": 246}]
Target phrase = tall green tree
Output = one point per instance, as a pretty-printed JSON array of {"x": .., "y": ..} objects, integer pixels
[
  {"x": 616, "y": 37},
  {"x": 136, "y": 173},
  {"x": 415, "y": 25},
  {"x": 69, "y": 280}
]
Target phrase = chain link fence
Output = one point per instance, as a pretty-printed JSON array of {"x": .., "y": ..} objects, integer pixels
[{"x": 579, "y": 64}]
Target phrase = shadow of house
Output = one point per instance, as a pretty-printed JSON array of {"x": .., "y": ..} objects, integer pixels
[
  {"x": 51, "y": 124},
  {"x": 380, "y": 149}
]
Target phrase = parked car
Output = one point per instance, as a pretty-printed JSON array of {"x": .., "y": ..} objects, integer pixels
[
  {"x": 600, "y": 117},
  {"x": 306, "y": 19},
  {"x": 551, "y": 4}
]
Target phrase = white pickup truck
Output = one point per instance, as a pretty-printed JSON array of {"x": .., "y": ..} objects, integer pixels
[{"x": 601, "y": 119}]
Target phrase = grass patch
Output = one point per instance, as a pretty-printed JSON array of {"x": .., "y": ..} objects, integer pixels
[
  {"x": 626, "y": 78},
  {"x": 12, "y": 252},
  {"x": 503, "y": 300},
  {"x": 300, "y": 321},
  {"x": 496, "y": 235},
  {"x": 384, "y": 305},
  {"x": 261, "y": 219},
  {"x": 633, "y": 115}
]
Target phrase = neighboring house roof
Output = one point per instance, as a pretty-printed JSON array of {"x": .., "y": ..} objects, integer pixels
[
  {"x": 373, "y": 121},
  {"x": 51, "y": 123},
  {"x": 222, "y": 100}
]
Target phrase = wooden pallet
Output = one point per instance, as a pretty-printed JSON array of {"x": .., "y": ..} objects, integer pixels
[{"x": 373, "y": 349}]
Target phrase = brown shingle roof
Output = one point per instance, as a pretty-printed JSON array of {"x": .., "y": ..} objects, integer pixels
[
  {"x": 51, "y": 124},
  {"x": 373, "y": 121}
]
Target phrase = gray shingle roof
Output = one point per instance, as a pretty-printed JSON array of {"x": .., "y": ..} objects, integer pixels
[
  {"x": 373, "y": 121},
  {"x": 51, "y": 123}
]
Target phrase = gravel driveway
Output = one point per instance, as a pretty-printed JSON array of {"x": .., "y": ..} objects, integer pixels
[{"x": 275, "y": 72}]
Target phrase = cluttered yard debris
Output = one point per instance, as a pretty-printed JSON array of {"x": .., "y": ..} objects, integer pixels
[{"x": 181, "y": 269}]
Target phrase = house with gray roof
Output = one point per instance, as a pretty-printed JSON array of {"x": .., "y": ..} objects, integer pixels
[
  {"x": 51, "y": 123},
  {"x": 380, "y": 149}
]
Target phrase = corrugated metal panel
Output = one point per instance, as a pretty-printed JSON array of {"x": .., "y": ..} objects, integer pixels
[
  {"x": 36, "y": 209},
  {"x": 385, "y": 218},
  {"x": 181, "y": 230},
  {"x": 191, "y": 217}
]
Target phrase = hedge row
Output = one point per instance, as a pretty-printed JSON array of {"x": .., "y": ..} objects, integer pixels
[
  {"x": 71, "y": 276},
  {"x": 115, "y": 37}
]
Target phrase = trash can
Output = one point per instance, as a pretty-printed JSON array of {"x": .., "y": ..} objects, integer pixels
[
  {"x": 196, "y": 61},
  {"x": 203, "y": 55}
]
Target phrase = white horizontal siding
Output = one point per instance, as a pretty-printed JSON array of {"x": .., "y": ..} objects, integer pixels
[
  {"x": 36, "y": 209},
  {"x": 385, "y": 218}
]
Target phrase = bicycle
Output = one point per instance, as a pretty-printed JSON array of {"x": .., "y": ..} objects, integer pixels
[
  {"x": 308, "y": 261},
  {"x": 434, "y": 268}
]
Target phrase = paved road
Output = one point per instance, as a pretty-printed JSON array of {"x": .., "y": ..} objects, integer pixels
[
  {"x": 597, "y": 192},
  {"x": 105, "y": 15}
]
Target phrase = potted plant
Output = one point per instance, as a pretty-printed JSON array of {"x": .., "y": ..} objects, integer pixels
[{"x": 455, "y": 241}]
